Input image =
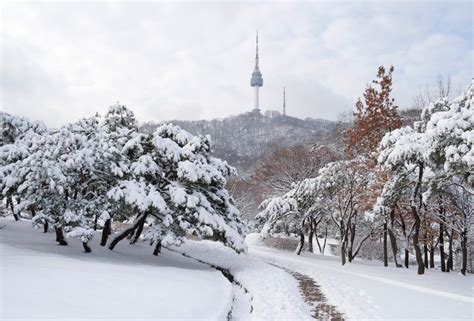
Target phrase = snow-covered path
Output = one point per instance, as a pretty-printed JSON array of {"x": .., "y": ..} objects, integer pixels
[
  {"x": 311, "y": 291},
  {"x": 368, "y": 291},
  {"x": 275, "y": 294}
]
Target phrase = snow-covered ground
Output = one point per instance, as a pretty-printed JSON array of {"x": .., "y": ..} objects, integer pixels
[
  {"x": 274, "y": 293},
  {"x": 365, "y": 290},
  {"x": 41, "y": 280}
]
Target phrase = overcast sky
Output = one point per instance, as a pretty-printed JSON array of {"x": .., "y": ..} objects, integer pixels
[{"x": 61, "y": 61}]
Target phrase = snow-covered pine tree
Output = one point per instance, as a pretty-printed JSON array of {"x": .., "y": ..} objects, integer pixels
[
  {"x": 82, "y": 189},
  {"x": 42, "y": 180},
  {"x": 449, "y": 128},
  {"x": 13, "y": 128},
  {"x": 118, "y": 127},
  {"x": 280, "y": 215},
  {"x": 300, "y": 209},
  {"x": 16, "y": 140},
  {"x": 403, "y": 155},
  {"x": 174, "y": 184},
  {"x": 91, "y": 169},
  {"x": 53, "y": 175},
  {"x": 436, "y": 159},
  {"x": 119, "y": 117}
]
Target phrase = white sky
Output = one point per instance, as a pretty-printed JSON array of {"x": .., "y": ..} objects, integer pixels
[{"x": 61, "y": 61}]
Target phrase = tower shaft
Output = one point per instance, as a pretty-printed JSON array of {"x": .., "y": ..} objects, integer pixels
[{"x": 257, "y": 107}]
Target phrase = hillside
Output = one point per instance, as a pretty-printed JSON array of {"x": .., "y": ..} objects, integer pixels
[{"x": 242, "y": 138}]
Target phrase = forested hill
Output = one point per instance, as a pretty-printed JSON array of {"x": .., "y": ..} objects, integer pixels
[{"x": 242, "y": 138}]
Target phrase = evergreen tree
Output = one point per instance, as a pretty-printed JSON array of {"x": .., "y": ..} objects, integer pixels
[{"x": 175, "y": 184}]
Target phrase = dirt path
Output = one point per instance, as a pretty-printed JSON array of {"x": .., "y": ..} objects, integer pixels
[{"x": 315, "y": 298}]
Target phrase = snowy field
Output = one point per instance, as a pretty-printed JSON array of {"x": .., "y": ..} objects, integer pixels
[{"x": 40, "y": 280}]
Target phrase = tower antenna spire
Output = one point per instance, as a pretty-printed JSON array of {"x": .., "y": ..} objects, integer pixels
[
  {"x": 256, "y": 51},
  {"x": 284, "y": 101}
]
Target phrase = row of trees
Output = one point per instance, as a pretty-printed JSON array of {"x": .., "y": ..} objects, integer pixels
[
  {"x": 85, "y": 175},
  {"x": 410, "y": 185}
]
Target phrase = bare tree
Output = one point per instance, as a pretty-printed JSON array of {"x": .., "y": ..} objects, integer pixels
[
  {"x": 246, "y": 196},
  {"x": 442, "y": 88},
  {"x": 280, "y": 169}
]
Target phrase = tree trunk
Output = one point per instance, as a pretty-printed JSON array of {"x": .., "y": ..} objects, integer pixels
[
  {"x": 157, "y": 249},
  {"x": 425, "y": 255},
  {"x": 343, "y": 252},
  {"x": 322, "y": 248},
  {"x": 393, "y": 239},
  {"x": 9, "y": 199},
  {"x": 87, "y": 249},
  {"x": 125, "y": 233},
  {"x": 342, "y": 232},
  {"x": 416, "y": 216},
  {"x": 464, "y": 251},
  {"x": 60, "y": 236},
  {"x": 359, "y": 246},
  {"x": 45, "y": 226},
  {"x": 350, "y": 254},
  {"x": 106, "y": 232},
  {"x": 385, "y": 254},
  {"x": 121, "y": 236},
  {"x": 407, "y": 258},
  {"x": 432, "y": 252},
  {"x": 393, "y": 243},
  {"x": 325, "y": 239},
  {"x": 310, "y": 238},
  {"x": 33, "y": 211},
  {"x": 301, "y": 243},
  {"x": 317, "y": 242},
  {"x": 139, "y": 230},
  {"x": 441, "y": 246},
  {"x": 450, "y": 252},
  {"x": 96, "y": 217},
  {"x": 416, "y": 245},
  {"x": 12, "y": 207}
]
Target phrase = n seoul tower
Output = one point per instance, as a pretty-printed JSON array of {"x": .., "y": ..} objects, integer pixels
[{"x": 257, "y": 80}]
